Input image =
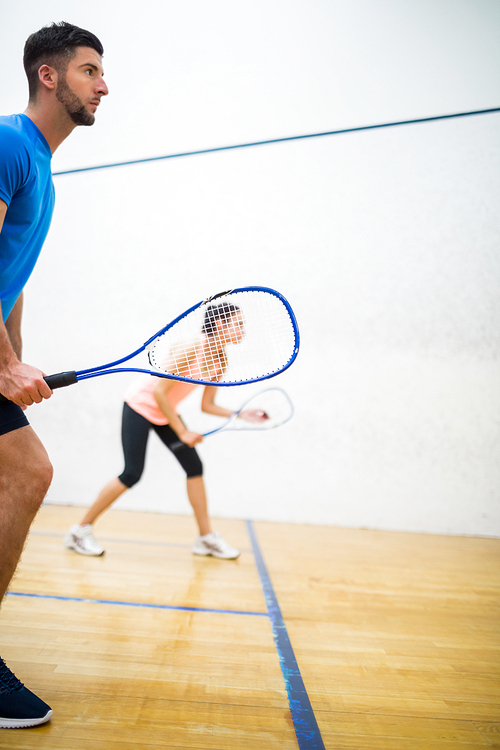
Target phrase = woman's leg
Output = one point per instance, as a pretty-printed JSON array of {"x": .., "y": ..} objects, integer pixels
[
  {"x": 209, "y": 542},
  {"x": 135, "y": 431},
  {"x": 105, "y": 498},
  {"x": 191, "y": 463},
  {"x": 198, "y": 499}
]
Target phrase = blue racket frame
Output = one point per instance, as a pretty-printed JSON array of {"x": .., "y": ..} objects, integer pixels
[
  {"x": 62, "y": 379},
  {"x": 93, "y": 372}
]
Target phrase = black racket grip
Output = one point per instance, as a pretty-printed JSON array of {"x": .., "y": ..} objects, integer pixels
[
  {"x": 59, "y": 380},
  {"x": 175, "y": 446}
]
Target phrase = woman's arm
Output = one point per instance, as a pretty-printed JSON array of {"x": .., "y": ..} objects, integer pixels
[
  {"x": 161, "y": 392},
  {"x": 208, "y": 404}
]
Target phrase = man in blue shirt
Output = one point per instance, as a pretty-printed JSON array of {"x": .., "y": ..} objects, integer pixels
[{"x": 63, "y": 64}]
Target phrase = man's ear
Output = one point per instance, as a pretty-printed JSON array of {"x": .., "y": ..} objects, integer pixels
[{"x": 47, "y": 77}]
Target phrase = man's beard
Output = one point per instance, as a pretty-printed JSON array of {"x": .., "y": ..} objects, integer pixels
[{"x": 72, "y": 104}]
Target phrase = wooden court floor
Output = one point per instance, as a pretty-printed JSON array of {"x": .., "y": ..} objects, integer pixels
[{"x": 396, "y": 636}]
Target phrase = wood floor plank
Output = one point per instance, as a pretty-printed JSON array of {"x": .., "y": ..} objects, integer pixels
[
  {"x": 168, "y": 723},
  {"x": 452, "y": 731}
]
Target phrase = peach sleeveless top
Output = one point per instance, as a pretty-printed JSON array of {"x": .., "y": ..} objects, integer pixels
[{"x": 140, "y": 395}]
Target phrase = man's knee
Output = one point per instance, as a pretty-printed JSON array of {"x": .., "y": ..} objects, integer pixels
[
  {"x": 26, "y": 470},
  {"x": 36, "y": 482},
  {"x": 44, "y": 472}
]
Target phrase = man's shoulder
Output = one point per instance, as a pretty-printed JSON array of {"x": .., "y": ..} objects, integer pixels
[
  {"x": 17, "y": 156},
  {"x": 12, "y": 133},
  {"x": 11, "y": 123}
]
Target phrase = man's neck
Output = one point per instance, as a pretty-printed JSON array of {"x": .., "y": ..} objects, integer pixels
[{"x": 53, "y": 127}]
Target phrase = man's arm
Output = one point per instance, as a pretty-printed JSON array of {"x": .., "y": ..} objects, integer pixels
[
  {"x": 13, "y": 327},
  {"x": 20, "y": 383}
]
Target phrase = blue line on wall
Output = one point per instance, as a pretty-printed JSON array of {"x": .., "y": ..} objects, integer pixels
[{"x": 358, "y": 129}]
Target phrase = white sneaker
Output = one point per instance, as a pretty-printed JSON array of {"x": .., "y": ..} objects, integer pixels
[
  {"x": 213, "y": 544},
  {"x": 82, "y": 540}
]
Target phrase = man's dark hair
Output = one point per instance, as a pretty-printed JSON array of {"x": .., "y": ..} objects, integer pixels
[
  {"x": 55, "y": 45},
  {"x": 214, "y": 313}
]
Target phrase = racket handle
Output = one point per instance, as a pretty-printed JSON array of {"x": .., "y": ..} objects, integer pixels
[
  {"x": 58, "y": 380},
  {"x": 175, "y": 446},
  {"x": 61, "y": 379}
]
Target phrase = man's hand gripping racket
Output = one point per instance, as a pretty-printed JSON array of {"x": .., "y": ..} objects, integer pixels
[{"x": 255, "y": 338}]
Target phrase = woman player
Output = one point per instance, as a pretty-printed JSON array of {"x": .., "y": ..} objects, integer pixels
[{"x": 151, "y": 403}]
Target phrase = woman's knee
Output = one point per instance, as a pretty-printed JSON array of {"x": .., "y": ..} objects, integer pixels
[
  {"x": 190, "y": 461},
  {"x": 195, "y": 468},
  {"x": 129, "y": 478}
]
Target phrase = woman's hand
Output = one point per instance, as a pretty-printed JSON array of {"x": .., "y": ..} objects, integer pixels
[
  {"x": 253, "y": 415},
  {"x": 191, "y": 438}
]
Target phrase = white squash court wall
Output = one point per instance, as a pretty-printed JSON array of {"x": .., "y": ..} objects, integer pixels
[{"x": 385, "y": 242}]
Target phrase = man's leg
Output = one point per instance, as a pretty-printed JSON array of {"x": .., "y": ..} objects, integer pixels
[{"x": 25, "y": 476}]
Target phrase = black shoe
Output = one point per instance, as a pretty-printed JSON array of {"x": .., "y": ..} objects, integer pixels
[{"x": 19, "y": 707}]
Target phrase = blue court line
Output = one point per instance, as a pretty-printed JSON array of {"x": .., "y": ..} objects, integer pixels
[
  {"x": 138, "y": 604},
  {"x": 358, "y": 129},
  {"x": 304, "y": 721}
]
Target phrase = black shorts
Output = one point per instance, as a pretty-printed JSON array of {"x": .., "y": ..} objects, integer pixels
[{"x": 12, "y": 417}]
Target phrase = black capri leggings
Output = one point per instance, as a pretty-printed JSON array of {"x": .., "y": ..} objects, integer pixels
[{"x": 135, "y": 433}]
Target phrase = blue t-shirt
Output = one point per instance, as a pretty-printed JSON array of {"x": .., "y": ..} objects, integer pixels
[{"x": 27, "y": 189}]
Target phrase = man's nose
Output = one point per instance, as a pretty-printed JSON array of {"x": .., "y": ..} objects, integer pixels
[{"x": 102, "y": 88}]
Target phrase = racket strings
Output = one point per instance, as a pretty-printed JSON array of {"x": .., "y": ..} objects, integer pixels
[
  {"x": 275, "y": 403},
  {"x": 245, "y": 335}
]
